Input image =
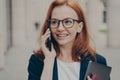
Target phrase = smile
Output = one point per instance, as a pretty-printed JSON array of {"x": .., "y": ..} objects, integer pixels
[{"x": 61, "y": 36}]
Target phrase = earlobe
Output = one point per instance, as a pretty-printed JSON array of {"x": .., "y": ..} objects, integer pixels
[{"x": 80, "y": 26}]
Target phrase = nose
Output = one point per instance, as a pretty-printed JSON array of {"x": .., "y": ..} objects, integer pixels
[{"x": 61, "y": 27}]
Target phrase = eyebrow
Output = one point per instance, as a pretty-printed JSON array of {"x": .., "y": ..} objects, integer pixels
[
  {"x": 55, "y": 18},
  {"x": 63, "y": 19}
]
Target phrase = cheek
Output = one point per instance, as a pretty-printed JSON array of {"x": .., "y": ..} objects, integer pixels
[
  {"x": 73, "y": 32},
  {"x": 74, "y": 29},
  {"x": 77, "y": 28}
]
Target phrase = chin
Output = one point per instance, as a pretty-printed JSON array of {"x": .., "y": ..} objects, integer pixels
[{"x": 63, "y": 43}]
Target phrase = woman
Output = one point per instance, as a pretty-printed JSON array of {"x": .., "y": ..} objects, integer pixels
[{"x": 70, "y": 49}]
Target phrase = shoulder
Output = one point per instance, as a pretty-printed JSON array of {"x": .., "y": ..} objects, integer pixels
[
  {"x": 35, "y": 67},
  {"x": 100, "y": 59},
  {"x": 34, "y": 60}
]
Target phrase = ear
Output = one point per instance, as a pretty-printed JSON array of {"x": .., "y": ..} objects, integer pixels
[{"x": 80, "y": 26}]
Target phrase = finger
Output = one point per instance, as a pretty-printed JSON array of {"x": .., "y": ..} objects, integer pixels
[
  {"x": 46, "y": 35},
  {"x": 95, "y": 77},
  {"x": 88, "y": 78},
  {"x": 52, "y": 49},
  {"x": 52, "y": 53},
  {"x": 47, "y": 32},
  {"x": 44, "y": 38}
]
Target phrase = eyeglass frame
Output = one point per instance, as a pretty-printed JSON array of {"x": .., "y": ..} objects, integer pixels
[{"x": 49, "y": 23}]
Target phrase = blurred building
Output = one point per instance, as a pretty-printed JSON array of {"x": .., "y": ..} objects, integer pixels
[{"x": 20, "y": 21}]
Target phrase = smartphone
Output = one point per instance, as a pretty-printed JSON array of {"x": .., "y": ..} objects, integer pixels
[
  {"x": 49, "y": 43},
  {"x": 49, "y": 39}
]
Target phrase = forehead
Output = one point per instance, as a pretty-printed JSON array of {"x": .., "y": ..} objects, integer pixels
[{"x": 64, "y": 11}]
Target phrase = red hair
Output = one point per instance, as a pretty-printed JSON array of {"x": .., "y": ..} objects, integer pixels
[{"x": 81, "y": 45}]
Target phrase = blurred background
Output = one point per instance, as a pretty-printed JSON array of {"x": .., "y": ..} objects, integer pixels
[{"x": 20, "y": 21}]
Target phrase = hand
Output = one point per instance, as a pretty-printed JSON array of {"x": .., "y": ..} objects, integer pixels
[
  {"x": 92, "y": 77},
  {"x": 46, "y": 52},
  {"x": 88, "y": 78}
]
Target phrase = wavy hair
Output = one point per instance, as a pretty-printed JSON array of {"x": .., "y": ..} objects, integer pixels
[{"x": 81, "y": 45}]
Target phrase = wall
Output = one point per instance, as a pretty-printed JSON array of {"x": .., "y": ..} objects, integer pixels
[{"x": 3, "y": 31}]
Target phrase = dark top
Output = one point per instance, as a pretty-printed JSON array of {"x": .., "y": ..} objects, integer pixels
[{"x": 35, "y": 67}]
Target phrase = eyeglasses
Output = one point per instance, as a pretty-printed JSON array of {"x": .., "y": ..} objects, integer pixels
[{"x": 67, "y": 23}]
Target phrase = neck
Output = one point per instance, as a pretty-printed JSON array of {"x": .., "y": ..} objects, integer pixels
[{"x": 65, "y": 53}]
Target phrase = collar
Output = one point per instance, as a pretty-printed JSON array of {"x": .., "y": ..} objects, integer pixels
[{"x": 83, "y": 68}]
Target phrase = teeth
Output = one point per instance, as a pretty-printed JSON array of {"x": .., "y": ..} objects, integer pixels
[{"x": 62, "y": 35}]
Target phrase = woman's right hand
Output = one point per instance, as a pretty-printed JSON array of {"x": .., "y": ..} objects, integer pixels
[
  {"x": 48, "y": 54},
  {"x": 49, "y": 57}
]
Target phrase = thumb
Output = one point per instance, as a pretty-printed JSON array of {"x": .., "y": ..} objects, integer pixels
[{"x": 88, "y": 78}]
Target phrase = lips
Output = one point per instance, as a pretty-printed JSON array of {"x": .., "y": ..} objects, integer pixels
[{"x": 61, "y": 36}]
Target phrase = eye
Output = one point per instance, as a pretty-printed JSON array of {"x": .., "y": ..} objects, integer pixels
[
  {"x": 68, "y": 21},
  {"x": 54, "y": 22}
]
